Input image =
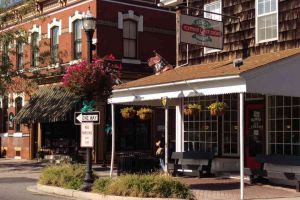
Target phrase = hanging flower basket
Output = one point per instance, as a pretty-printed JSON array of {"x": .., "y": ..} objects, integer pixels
[
  {"x": 192, "y": 109},
  {"x": 144, "y": 113},
  {"x": 128, "y": 113},
  {"x": 217, "y": 108}
]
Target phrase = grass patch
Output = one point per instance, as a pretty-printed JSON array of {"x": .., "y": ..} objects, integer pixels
[
  {"x": 154, "y": 185},
  {"x": 66, "y": 176}
]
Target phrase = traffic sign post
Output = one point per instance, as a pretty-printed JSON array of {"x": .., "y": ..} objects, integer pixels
[{"x": 87, "y": 117}]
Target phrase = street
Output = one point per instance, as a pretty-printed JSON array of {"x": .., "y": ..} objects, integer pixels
[{"x": 16, "y": 176}]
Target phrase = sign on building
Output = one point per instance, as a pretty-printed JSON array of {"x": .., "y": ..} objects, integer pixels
[
  {"x": 200, "y": 31},
  {"x": 87, "y": 135}
]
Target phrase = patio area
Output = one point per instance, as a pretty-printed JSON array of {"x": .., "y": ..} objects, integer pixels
[{"x": 220, "y": 188}]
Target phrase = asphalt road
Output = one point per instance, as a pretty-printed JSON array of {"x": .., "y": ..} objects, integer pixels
[
  {"x": 16, "y": 176},
  {"x": 14, "y": 188}
]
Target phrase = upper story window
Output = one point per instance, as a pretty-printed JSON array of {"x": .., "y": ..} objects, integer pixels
[
  {"x": 77, "y": 39},
  {"x": 215, "y": 7},
  {"x": 19, "y": 56},
  {"x": 129, "y": 39},
  {"x": 131, "y": 24},
  {"x": 19, "y": 105},
  {"x": 34, "y": 49},
  {"x": 4, "y": 113},
  {"x": 266, "y": 20},
  {"x": 54, "y": 44},
  {"x": 5, "y": 57}
]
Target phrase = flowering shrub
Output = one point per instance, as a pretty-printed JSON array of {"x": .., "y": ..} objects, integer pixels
[{"x": 97, "y": 78}]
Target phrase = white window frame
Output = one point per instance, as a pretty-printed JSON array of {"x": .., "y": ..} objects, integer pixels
[
  {"x": 206, "y": 49},
  {"x": 190, "y": 119},
  {"x": 263, "y": 15},
  {"x": 55, "y": 22}
]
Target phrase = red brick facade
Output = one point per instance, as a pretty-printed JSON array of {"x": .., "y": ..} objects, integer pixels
[{"x": 156, "y": 35}]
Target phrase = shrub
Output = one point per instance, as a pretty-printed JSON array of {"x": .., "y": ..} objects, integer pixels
[
  {"x": 66, "y": 176},
  {"x": 153, "y": 186}
]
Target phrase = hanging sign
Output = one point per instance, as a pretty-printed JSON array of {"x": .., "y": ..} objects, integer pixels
[
  {"x": 201, "y": 31},
  {"x": 87, "y": 135}
]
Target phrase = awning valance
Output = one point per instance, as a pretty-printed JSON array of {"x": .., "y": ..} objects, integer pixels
[
  {"x": 275, "y": 73},
  {"x": 50, "y": 103}
]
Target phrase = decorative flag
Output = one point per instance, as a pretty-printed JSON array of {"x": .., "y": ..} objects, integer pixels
[{"x": 159, "y": 64}]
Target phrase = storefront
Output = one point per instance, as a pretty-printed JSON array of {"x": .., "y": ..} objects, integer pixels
[{"x": 262, "y": 106}]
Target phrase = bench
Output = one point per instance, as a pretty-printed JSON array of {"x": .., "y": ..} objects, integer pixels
[
  {"x": 276, "y": 167},
  {"x": 191, "y": 163}
]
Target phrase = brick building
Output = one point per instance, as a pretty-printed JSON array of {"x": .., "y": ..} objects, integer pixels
[{"x": 129, "y": 30}]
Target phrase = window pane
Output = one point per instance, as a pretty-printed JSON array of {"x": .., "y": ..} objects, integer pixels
[
  {"x": 126, "y": 29},
  {"x": 132, "y": 29}
]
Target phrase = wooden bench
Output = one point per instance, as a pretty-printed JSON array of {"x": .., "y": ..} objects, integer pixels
[
  {"x": 192, "y": 163},
  {"x": 276, "y": 167}
]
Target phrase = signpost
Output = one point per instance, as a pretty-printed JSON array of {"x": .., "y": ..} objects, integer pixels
[{"x": 201, "y": 31}]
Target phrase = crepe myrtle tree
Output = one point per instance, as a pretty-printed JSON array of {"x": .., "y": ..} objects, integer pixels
[{"x": 92, "y": 80}]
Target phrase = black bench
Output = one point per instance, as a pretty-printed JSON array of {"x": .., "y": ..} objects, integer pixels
[
  {"x": 192, "y": 163},
  {"x": 266, "y": 172}
]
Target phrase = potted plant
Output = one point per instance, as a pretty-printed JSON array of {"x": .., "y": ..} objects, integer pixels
[
  {"x": 128, "y": 112},
  {"x": 192, "y": 109},
  {"x": 144, "y": 113},
  {"x": 217, "y": 108}
]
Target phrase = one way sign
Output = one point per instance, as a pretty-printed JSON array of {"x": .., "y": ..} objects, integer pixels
[{"x": 92, "y": 117}]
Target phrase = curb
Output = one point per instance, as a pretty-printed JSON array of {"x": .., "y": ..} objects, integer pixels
[{"x": 84, "y": 195}]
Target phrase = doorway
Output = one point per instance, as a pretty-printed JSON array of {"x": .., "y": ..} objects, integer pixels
[{"x": 254, "y": 134}]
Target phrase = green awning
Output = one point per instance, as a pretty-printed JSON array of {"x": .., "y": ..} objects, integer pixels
[{"x": 50, "y": 103}]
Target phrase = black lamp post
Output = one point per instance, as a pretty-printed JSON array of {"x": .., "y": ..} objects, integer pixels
[{"x": 89, "y": 26}]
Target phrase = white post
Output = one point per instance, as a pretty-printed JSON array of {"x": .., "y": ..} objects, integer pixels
[
  {"x": 166, "y": 138},
  {"x": 178, "y": 128},
  {"x": 242, "y": 145},
  {"x": 113, "y": 135}
]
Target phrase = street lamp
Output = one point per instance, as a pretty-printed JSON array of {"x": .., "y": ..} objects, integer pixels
[{"x": 89, "y": 26}]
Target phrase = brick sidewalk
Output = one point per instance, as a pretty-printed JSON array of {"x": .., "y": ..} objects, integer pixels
[{"x": 226, "y": 188}]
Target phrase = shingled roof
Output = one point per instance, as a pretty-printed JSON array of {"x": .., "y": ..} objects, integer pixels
[
  {"x": 208, "y": 70},
  {"x": 50, "y": 103}
]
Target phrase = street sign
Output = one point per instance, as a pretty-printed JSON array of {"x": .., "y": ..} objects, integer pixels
[
  {"x": 87, "y": 135},
  {"x": 92, "y": 117}
]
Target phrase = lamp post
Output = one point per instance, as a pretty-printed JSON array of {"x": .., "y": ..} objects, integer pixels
[{"x": 89, "y": 26}]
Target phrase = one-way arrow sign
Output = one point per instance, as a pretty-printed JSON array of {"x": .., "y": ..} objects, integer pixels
[{"x": 93, "y": 117}]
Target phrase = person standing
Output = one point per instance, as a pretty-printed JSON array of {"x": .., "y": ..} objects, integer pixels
[{"x": 160, "y": 153}]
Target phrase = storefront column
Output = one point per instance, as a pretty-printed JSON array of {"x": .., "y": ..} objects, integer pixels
[
  {"x": 241, "y": 123},
  {"x": 39, "y": 136},
  {"x": 166, "y": 138},
  {"x": 179, "y": 129},
  {"x": 113, "y": 135}
]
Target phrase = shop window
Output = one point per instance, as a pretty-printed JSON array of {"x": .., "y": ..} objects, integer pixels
[
  {"x": 4, "y": 113},
  {"x": 19, "y": 104},
  {"x": 34, "y": 49},
  {"x": 133, "y": 134},
  {"x": 230, "y": 125},
  {"x": 54, "y": 44},
  {"x": 266, "y": 20},
  {"x": 215, "y": 7},
  {"x": 201, "y": 130},
  {"x": 129, "y": 39},
  {"x": 77, "y": 39},
  {"x": 283, "y": 125},
  {"x": 19, "y": 56}
]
